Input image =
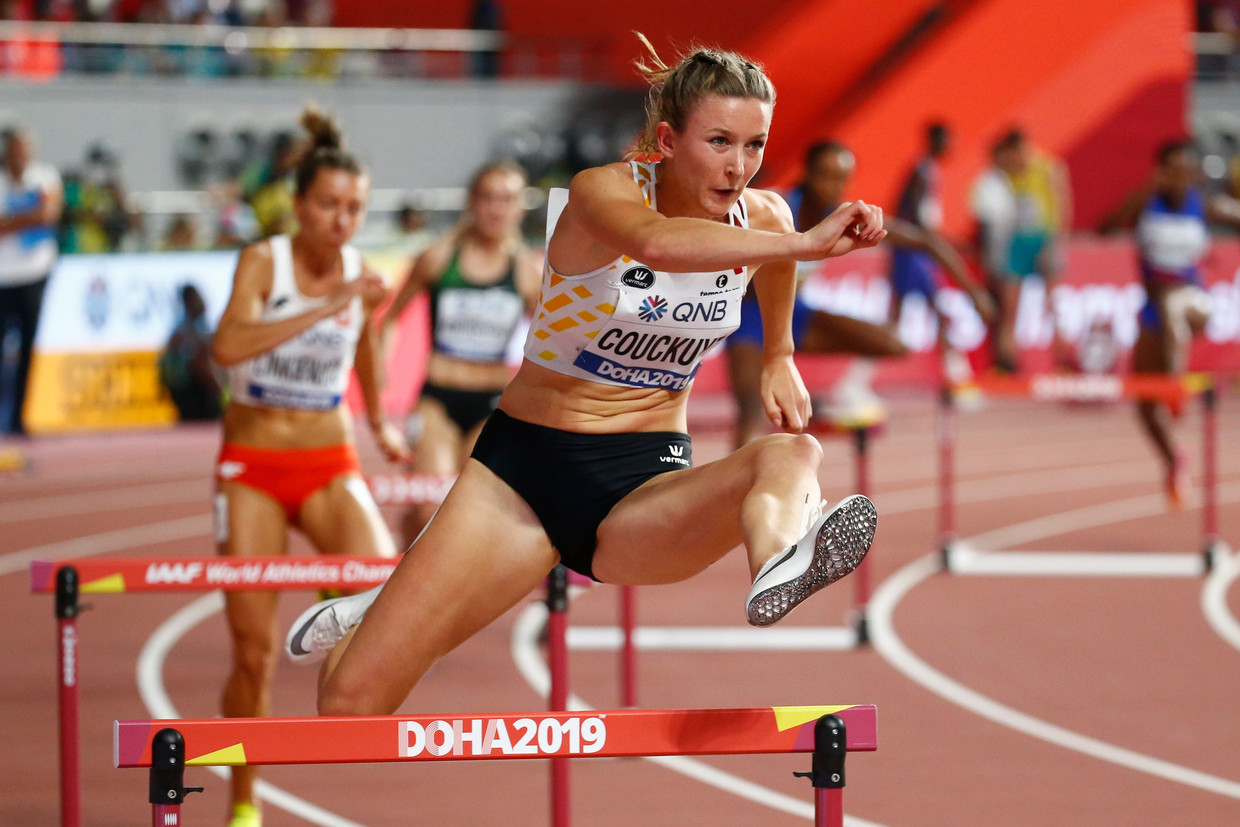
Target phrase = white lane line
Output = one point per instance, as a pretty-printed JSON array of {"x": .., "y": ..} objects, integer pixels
[
  {"x": 150, "y": 675},
  {"x": 529, "y": 662},
  {"x": 114, "y": 499},
  {"x": 1214, "y": 599},
  {"x": 183, "y": 528},
  {"x": 888, "y": 644}
]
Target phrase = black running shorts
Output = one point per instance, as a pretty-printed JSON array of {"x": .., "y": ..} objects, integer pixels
[{"x": 572, "y": 480}]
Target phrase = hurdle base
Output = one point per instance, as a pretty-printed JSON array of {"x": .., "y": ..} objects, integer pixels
[
  {"x": 966, "y": 560},
  {"x": 718, "y": 638},
  {"x": 1215, "y": 556}
]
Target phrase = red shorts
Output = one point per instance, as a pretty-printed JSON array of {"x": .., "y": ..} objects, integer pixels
[{"x": 289, "y": 476}]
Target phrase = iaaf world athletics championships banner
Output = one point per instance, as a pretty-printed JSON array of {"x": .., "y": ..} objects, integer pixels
[{"x": 105, "y": 319}]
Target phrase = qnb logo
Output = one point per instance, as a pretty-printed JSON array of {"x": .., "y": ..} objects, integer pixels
[
  {"x": 715, "y": 311},
  {"x": 476, "y": 737},
  {"x": 652, "y": 308}
]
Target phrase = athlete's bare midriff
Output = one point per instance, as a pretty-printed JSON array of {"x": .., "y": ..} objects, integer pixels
[
  {"x": 463, "y": 375},
  {"x": 286, "y": 428},
  {"x": 544, "y": 397}
]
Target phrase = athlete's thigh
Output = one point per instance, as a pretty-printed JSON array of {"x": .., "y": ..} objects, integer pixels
[
  {"x": 342, "y": 518},
  {"x": 439, "y": 445},
  {"x": 482, "y": 553},
  {"x": 251, "y": 524},
  {"x": 677, "y": 523}
]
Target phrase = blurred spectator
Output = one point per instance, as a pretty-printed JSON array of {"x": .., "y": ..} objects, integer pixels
[
  {"x": 268, "y": 187},
  {"x": 182, "y": 235},
  {"x": 1023, "y": 206},
  {"x": 486, "y": 16},
  {"x": 1221, "y": 16},
  {"x": 185, "y": 366},
  {"x": 31, "y": 199},
  {"x": 918, "y": 252},
  {"x": 95, "y": 219},
  {"x": 409, "y": 233}
]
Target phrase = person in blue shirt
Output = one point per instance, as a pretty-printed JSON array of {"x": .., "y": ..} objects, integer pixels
[
  {"x": 829, "y": 167},
  {"x": 1171, "y": 216}
]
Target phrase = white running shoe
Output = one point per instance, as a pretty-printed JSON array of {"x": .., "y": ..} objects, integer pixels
[
  {"x": 853, "y": 405},
  {"x": 319, "y": 628},
  {"x": 833, "y": 546}
]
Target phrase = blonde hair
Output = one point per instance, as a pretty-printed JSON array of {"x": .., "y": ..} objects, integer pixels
[{"x": 676, "y": 90}]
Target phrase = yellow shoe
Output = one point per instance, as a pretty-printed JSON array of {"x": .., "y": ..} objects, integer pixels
[{"x": 246, "y": 815}]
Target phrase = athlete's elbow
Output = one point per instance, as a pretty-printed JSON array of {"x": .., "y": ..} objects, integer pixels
[
  {"x": 223, "y": 355},
  {"x": 660, "y": 251}
]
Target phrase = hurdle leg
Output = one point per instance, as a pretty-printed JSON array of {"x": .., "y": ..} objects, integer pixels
[
  {"x": 628, "y": 646},
  {"x": 1209, "y": 474},
  {"x": 557, "y": 657},
  {"x": 827, "y": 775},
  {"x": 67, "y": 610},
  {"x": 167, "y": 777},
  {"x": 861, "y": 577},
  {"x": 947, "y": 474}
]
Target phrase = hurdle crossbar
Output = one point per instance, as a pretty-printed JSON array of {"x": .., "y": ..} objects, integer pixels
[
  {"x": 1082, "y": 388},
  {"x": 67, "y": 580},
  {"x": 826, "y": 731},
  {"x": 199, "y": 574}
]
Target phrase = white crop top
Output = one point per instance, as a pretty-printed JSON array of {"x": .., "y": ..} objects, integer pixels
[
  {"x": 311, "y": 370},
  {"x": 631, "y": 325}
]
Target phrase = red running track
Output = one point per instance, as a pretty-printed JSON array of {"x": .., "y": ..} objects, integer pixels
[{"x": 1130, "y": 668}]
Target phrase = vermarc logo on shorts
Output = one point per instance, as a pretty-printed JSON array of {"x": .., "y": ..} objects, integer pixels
[{"x": 677, "y": 455}]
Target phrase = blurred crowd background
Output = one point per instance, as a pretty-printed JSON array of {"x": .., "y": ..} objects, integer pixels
[{"x": 173, "y": 123}]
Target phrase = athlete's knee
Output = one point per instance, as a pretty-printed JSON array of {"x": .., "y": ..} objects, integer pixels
[
  {"x": 340, "y": 697},
  {"x": 787, "y": 451}
]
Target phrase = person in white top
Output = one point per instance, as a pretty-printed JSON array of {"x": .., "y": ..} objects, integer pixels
[
  {"x": 587, "y": 460},
  {"x": 31, "y": 200},
  {"x": 299, "y": 318}
]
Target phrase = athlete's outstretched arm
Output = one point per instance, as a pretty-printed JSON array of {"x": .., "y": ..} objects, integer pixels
[
  {"x": 368, "y": 365},
  {"x": 243, "y": 335},
  {"x": 784, "y": 396},
  {"x": 606, "y": 215}
]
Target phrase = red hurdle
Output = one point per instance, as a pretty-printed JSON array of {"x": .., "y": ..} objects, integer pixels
[
  {"x": 197, "y": 574},
  {"x": 826, "y": 731},
  {"x": 1088, "y": 388}
]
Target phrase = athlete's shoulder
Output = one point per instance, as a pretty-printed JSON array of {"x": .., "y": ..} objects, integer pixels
[
  {"x": 256, "y": 254},
  {"x": 768, "y": 211},
  {"x": 605, "y": 176}
]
